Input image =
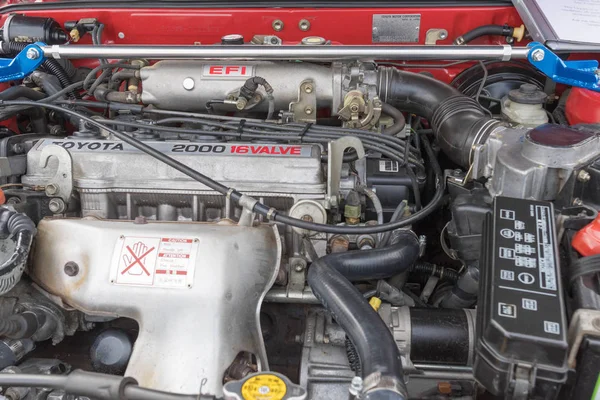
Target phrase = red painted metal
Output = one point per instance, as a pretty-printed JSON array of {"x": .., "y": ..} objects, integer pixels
[
  {"x": 350, "y": 26},
  {"x": 583, "y": 107}
]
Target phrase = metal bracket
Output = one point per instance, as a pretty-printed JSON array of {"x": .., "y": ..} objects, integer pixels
[
  {"x": 61, "y": 184},
  {"x": 24, "y": 63},
  {"x": 584, "y": 322},
  {"x": 582, "y": 73},
  {"x": 305, "y": 109},
  {"x": 335, "y": 152},
  {"x": 433, "y": 35}
]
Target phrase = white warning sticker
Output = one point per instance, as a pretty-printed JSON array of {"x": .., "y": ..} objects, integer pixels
[{"x": 154, "y": 261}]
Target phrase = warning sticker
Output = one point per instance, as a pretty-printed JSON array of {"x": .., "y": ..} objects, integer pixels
[{"x": 154, "y": 261}]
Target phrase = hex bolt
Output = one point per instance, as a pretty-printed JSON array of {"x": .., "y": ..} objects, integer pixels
[
  {"x": 307, "y": 218},
  {"x": 356, "y": 386},
  {"x": 354, "y": 108},
  {"x": 298, "y": 267},
  {"x": 308, "y": 88},
  {"x": 308, "y": 110},
  {"x": 71, "y": 268},
  {"x": 277, "y": 25},
  {"x": 33, "y": 54},
  {"x": 52, "y": 189},
  {"x": 56, "y": 206},
  {"x": 577, "y": 201},
  {"x": 538, "y": 55},
  {"x": 583, "y": 176},
  {"x": 188, "y": 83},
  {"x": 442, "y": 35},
  {"x": 304, "y": 25},
  {"x": 274, "y": 40}
]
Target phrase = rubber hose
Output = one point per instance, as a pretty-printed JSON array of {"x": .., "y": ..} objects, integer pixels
[
  {"x": 9, "y": 327},
  {"x": 17, "y": 92},
  {"x": 485, "y": 30},
  {"x": 399, "y": 120},
  {"x": 426, "y": 268},
  {"x": 380, "y": 263},
  {"x": 370, "y": 336},
  {"x": 21, "y": 231},
  {"x": 458, "y": 121},
  {"x": 37, "y": 117}
]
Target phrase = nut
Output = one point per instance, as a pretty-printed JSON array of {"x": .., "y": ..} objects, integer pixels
[
  {"x": 583, "y": 176},
  {"x": 298, "y": 267},
  {"x": 277, "y": 25},
  {"x": 56, "y": 206},
  {"x": 304, "y": 25},
  {"x": 52, "y": 189},
  {"x": 538, "y": 55},
  {"x": 71, "y": 268},
  {"x": 354, "y": 108},
  {"x": 33, "y": 54}
]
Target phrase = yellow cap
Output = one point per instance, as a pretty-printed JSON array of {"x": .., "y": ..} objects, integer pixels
[
  {"x": 74, "y": 35},
  {"x": 375, "y": 302},
  {"x": 264, "y": 387},
  {"x": 519, "y": 32}
]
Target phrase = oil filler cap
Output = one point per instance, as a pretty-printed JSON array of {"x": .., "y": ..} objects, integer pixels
[{"x": 263, "y": 386}]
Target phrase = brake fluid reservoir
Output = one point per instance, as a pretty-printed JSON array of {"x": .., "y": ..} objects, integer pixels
[{"x": 525, "y": 106}]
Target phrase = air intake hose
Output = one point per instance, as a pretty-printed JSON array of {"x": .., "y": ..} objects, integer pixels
[
  {"x": 21, "y": 230},
  {"x": 329, "y": 277},
  {"x": 458, "y": 121}
]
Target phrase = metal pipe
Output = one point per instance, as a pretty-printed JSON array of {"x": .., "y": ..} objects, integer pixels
[{"x": 322, "y": 53}]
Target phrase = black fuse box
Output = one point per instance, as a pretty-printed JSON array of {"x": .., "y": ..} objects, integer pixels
[{"x": 521, "y": 349}]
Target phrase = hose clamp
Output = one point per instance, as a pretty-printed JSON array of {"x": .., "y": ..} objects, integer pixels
[
  {"x": 376, "y": 382},
  {"x": 271, "y": 213}
]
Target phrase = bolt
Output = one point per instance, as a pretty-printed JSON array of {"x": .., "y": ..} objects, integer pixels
[
  {"x": 356, "y": 386},
  {"x": 457, "y": 172},
  {"x": 298, "y": 267},
  {"x": 577, "y": 201},
  {"x": 241, "y": 103},
  {"x": 298, "y": 339},
  {"x": 596, "y": 323},
  {"x": 308, "y": 88},
  {"x": 308, "y": 110},
  {"x": 510, "y": 39},
  {"x": 140, "y": 219},
  {"x": 52, "y": 189},
  {"x": 538, "y": 55},
  {"x": 18, "y": 148},
  {"x": 71, "y": 268},
  {"x": 56, "y": 206},
  {"x": 583, "y": 176},
  {"x": 307, "y": 218},
  {"x": 277, "y": 25},
  {"x": 304, "y": 25},
  {"x": 442, "y": 35},
  {"x": 274, "y": 40},
  {"x": 33, "y": 54},
  {"x": 325, "y": 339},
  {"x": 13, "y": 200},
  {"x": 121, "y": 35},
  {"x": 188, "y": 83},
  {"x": 354, "y": 108}
]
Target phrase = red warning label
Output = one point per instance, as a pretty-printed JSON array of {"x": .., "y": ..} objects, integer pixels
[{"x": 154, "y": 261}]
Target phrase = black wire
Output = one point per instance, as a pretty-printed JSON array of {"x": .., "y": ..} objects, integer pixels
[{"x": 259, "y": 208}]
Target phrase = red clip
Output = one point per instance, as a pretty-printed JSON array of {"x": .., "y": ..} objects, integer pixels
[{"x": 587, "y": 240}]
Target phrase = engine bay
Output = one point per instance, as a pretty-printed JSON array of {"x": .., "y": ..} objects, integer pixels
[{"x": 296, "y": 203}]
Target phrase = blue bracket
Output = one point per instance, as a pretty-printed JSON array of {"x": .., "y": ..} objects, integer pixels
[
  {"x": 24, "y": 63},
  {"x": 582, "y": 74}
]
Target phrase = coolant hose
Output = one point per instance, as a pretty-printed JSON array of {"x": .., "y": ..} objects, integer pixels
[
  {"x": 458, "y": 121},
  {"x": 329, "y": 278},
  {"x": 21, "y": 231},
  {"x": 399, "y": 120}
]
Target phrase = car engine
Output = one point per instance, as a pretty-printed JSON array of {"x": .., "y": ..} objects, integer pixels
[{"x": 279, "y": 215}]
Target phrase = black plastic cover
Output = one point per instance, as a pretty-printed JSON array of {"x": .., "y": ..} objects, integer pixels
[{"x": 521, "y": 324}]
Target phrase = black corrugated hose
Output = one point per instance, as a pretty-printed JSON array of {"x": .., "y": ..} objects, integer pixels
[
  {"x": 50, "y": 64},
  {"x": 21, "y": 231}
]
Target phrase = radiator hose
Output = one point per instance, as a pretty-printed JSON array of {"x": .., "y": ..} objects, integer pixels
[
  {"x": 458, "y": 121},
  {"x": 20, "y": 230},
  {"x": 330, "y": 276}
]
